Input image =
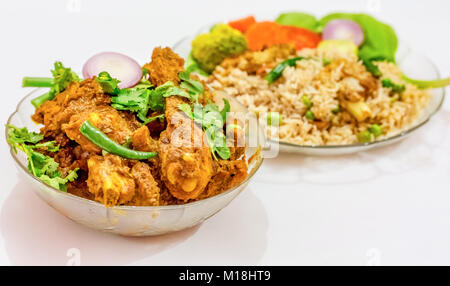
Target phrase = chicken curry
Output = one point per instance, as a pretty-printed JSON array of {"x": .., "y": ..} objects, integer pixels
[{"x": 180, "y": 164}]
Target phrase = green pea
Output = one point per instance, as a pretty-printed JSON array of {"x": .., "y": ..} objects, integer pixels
[
  {"x": 307, "y": 102},
  {"x": 310, "y": 115},
  {"x": 364, "y": 136},
  {"x": 375, "y": 129}
]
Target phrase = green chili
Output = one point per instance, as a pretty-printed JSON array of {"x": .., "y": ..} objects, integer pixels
[
  {"x": 101, "y": 140},
  {"x": 443, "y": 82},
  {"x": 37, "y": 82},
  {"x": 38, "y": 101},
  {"x": 277, "y": 71}
]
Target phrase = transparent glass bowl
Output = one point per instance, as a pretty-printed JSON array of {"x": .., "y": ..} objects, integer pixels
[
  {"x": 126, "y": 220},
  {"x": 411, "y": 63}
]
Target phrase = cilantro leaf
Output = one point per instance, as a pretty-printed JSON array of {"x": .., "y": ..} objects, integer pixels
[
  {"x": 169, "y": 89},
  {"x": 211, "y": 119},
  {"x": 140, "y": 98},
  {"x": 217, "y": 142},
  {"x": 58, "y": 182},
  {"x": 41, "y": 166},
  {"x": 186, "y": 108},
  {"x": 157, "y": 101},
  {"x": 21, "y": 135},
  {"x": 194, "y": 87},
  {"x": 150, "y": 119},
  {"x": 108, "y": 84},
  {"x": 132, "y": 100},
  {"x": 62, "y": 78},
  {"x": 158, "y": 95},
  {"x": 225, "y": 110},
  {"x": 49, "y": 146},
  {"x": 46, "y": 169}
]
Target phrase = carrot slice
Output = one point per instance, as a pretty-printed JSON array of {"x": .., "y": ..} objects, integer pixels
[
  {"x": 262, "y": 35},
  {"x": 242, "y": 24}
]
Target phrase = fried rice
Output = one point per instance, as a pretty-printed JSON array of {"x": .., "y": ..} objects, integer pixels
[{"x": 328, "y": 79}]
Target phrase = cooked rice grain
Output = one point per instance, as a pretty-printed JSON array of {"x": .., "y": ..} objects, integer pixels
[{"x": 325, "y": 87}]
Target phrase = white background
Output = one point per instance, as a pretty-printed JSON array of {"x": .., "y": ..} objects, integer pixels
[{"x": 388, "y": 206}]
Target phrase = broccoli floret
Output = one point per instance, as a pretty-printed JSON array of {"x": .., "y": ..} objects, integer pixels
[{"x": 209, "y": 50}]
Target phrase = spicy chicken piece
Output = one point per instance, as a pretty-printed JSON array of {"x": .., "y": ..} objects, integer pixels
[
  {"x": 186, "y": 163},
  {"x": 105, "y": 118},
  {"x": 81, "y": 158},
  {"x": 142, "y": 140},
  {"x": 228, "y": 174},
  {"x": 165, "y": 66},
  {"x": 147, "y": 190},
  {"x": 77, "y": 98},
  {"x": 235, "y": 134},
  {"x": 167, "y": 199},
  {"x": 110, "y": 180}
]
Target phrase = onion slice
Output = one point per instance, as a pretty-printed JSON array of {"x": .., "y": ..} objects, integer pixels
[
  {"x": 343, "y": 29},
  {"x": 119, "y": 66}
]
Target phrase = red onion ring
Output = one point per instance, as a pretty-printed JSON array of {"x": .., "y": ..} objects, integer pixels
[
  {"x": 343, "y": 29},
  {"x": 119, "y": 66}
]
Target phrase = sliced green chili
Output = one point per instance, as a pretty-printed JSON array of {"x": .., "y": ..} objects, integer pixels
[
  {"x": 101, "y": 140},
  {"x": 443, "y": 82},
  {"x": 396, "y": 88},
  {"x": 277, "y": 71}
]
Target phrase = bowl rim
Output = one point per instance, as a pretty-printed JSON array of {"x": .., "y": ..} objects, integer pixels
[
  {"x": 253, "y": 171},
  {"x": 392, "y": 138}
]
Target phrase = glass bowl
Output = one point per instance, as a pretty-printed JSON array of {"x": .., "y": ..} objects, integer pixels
[
  {"x": 413, "y": 64},
  {"x": 128, "y": 220}
]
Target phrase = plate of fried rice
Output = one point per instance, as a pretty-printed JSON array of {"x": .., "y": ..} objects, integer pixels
[{"x": 339, "y": 85}]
